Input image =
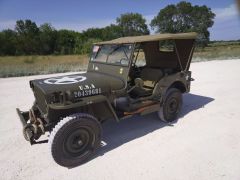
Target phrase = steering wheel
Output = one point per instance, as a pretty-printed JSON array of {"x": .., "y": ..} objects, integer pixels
[
  {"x": 136, "y": 70},
  {"x": 124, "y": 59}
]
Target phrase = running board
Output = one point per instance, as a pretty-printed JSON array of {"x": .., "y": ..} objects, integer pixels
[{"x": 144, "y": 110}]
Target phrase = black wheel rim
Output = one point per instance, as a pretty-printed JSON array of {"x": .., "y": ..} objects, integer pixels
[{"x": 78, "y": 142}]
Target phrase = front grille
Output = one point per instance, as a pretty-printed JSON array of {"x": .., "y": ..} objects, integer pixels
[{"x": 40, "y": 100}]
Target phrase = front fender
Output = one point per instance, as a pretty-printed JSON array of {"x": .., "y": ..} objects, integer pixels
[{"x": 97, "y": 104}]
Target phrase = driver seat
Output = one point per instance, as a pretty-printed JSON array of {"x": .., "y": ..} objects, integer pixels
[
  {"x": 148, "y": 78},
  {"x": 151, "y": 74}
]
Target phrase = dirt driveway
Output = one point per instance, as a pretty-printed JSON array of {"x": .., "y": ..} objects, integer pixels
[{"x": 203, "y": 144}]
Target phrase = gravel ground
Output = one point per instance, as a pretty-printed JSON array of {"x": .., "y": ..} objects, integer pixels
[{"x": 203, "y": 144}]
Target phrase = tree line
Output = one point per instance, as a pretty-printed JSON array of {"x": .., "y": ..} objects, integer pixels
[{"x": 29, "y": 39}]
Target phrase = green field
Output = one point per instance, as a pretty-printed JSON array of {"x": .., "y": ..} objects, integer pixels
[
  {"x": 218, "y": 51},
  {"x": 12, "y": 66}
]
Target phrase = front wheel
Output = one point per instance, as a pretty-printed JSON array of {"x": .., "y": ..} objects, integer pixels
[
  {"x": 74, "y": 139},
  {"x": 171, "y": 106}
]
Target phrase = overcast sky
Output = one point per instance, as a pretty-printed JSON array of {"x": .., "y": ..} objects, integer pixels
[{"x": 79, "y": 15}]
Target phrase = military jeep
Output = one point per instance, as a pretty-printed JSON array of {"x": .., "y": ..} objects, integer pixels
[{"x": 125, "y": 77}]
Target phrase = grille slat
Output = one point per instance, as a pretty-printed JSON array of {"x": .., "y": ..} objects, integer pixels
[{"x": 40, "y": 100}]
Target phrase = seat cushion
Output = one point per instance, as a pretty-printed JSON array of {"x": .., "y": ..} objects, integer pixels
[
  {"x": 138, "y": 92},
  {"x": 151, "y": 74}
]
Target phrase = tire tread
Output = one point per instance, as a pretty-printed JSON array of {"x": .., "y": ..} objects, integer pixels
[{"x": 59, "y": 127}]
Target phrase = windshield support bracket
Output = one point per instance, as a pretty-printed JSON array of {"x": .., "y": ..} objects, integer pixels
[
  {"x": 190, "y": 57},
  {"x": 179, "y": 60}
]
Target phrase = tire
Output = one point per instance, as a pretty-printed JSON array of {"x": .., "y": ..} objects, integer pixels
[
  {"x": 74, "y": 139},
  {"x": 171, "y": 106}
]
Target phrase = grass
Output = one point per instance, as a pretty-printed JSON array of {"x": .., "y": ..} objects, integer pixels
[
  {"x": 13, "y": 66},
  {"x": 218, "y": 51}
]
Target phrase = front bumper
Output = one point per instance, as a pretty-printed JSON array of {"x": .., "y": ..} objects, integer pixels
[
  {"x": 24, "y": 117},
  {"x": 32, "y": 126}
]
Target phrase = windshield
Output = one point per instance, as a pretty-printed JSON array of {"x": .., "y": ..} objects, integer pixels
[{"x": 112, "y": 54}]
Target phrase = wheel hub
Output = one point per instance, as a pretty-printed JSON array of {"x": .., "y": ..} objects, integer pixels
[
  {"x": 80, "y": 143},
  {"x": 172, "y": 105},
  {"x": 77, "y": 142}
]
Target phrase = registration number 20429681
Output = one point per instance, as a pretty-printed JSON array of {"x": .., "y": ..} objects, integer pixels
[{"x": 87, "y": 91}]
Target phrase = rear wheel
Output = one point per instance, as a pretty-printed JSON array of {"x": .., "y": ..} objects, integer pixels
[
  {"x": 171, "y": 107},
  {"x": 74, "y": 139}
]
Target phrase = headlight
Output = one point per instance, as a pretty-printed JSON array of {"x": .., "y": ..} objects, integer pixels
[{"x": 56, "y": 97}]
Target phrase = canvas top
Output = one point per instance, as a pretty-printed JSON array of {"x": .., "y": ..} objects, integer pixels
[{"x": 148, "y": 38}]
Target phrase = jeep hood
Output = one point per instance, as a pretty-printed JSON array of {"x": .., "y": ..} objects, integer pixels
[{"x": 76, "y": 82}]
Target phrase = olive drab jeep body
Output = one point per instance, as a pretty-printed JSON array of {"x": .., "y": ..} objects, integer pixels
[{"x": 125, "y": 77}]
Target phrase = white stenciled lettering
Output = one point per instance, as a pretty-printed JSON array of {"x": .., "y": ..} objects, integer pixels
[
  {"x": 87, "y": 92},
  {"x": 75, "y": 94},
  {"x": 86, "y": 87}
]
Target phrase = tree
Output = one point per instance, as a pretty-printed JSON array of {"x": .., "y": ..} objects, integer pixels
[
  {"x": 27, "y": 37},
  {"x": 65, "y": 42},
  {"x": 183, "y": 17},
  {"x": 85, "y": 47},
  {"x": 132, "y": 24},
  {"x": 107, "y": 33},
  {"x": 48, "y": 37},
  {"x": 1, "y": 46},
  {"x": 92, "y": 33},
  {"x": 7, "y": 42},
  {"x": 111, "y": 32}
]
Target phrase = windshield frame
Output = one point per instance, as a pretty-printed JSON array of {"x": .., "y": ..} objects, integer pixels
[{"x": 114, "y": 64}]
